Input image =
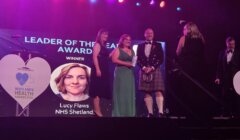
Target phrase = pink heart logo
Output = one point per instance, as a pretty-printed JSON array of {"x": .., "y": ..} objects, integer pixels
[
  {"x": 24, "y": 82},
  {"x": 236, "y": 82}
]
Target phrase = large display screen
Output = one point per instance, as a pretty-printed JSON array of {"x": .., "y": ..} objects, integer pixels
[{"x": 31, "y": 68}]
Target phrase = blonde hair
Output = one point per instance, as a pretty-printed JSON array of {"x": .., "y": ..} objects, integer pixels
[
  {"x": 122, "y": 38},
  {"x": 60, "y": 79},
  {"x": 194, "y": 31},
  {"x": 98, "y": 38}
]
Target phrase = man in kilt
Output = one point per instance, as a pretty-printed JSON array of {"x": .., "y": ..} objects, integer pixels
[{"x": 150, "y": 57}]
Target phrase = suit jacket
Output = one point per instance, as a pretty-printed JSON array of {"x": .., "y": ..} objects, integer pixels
[
  {"x": 226, "y": 71},
  {"x": 155, "y": 58}
]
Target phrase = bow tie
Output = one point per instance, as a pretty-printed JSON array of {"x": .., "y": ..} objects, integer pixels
[{"x": 230, "y": 51}]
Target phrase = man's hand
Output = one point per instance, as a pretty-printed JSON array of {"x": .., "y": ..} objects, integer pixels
[{"x": 217, "y": 81}]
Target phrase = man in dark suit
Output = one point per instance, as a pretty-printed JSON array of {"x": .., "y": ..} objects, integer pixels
[
  {"x": 150, "y": 57},
  {"x": 228, "y": 66}
]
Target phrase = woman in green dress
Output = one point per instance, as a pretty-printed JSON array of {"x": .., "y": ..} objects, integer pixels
[{"x": 124, "y": 82}]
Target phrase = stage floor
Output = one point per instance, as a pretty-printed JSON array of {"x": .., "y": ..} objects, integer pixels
[{"x": 120, "y": 128}]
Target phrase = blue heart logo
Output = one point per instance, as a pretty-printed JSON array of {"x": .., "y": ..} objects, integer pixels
[{"x": 22, "y": 78}]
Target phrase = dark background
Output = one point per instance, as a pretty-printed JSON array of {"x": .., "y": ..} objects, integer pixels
[{"x": 216, "y": 19}]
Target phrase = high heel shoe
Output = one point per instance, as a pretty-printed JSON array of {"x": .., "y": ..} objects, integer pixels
[
  {"x": 97, "y": 115},
  {"x": 150, "y": 115},
  {"x": 161, "y": 115}
]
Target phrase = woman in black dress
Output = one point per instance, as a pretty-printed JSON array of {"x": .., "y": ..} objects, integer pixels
[
  {"x": 190, "y": 51},
  {"x": 190, "y": 58},
  {"x": 100, "y": 81}
]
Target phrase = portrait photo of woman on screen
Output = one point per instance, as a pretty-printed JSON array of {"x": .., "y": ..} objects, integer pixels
[{"x": 72, "y": 82}]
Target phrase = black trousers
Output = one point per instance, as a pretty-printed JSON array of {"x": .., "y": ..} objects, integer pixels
[{"x": 231, "y": 102}]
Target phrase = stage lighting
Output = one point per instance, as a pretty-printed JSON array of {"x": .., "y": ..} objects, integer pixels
[
  {"x": 93, "y": 1},
  {"x": 138, "y": 4},
  {"x": 162, "y": 4},
  {"x": 152, "y": 2},
  {"x": 179, "y": 8},
  {"x": 120, "y": 1}
]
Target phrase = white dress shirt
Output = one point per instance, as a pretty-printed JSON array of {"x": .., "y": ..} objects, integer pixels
[
  {"x": 229, "y": 55},
  {"x": 147, "y": 49}
]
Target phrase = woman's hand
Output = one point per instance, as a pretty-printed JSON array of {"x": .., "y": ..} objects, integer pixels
[
  {"x": 129, "y": 64},
  {"x": 98, "y": 73}
]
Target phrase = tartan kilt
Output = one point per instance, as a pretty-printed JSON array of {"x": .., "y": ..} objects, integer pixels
[{"x": 157, "y": 84}]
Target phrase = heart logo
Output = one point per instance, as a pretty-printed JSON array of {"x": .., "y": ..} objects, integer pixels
[
  {"x": 236, "y": 82},
  {"x": 22, "y": 78},
  {"x": 24, "y": 82}
]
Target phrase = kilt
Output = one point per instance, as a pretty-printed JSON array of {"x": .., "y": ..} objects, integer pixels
[{"x": 157, "y": 83}]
